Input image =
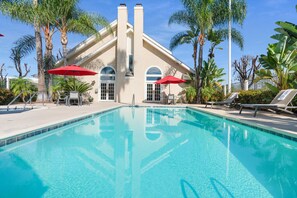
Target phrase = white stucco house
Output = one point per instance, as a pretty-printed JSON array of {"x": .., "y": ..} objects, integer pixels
[{"x": 128, "y": 62}]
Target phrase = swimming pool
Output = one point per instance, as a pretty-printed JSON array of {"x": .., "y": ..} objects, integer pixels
[{"x": 150, "y": 152}]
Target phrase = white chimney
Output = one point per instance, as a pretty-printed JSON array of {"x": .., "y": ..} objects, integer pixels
[
  {"x": 139, "y": 68},
  {"x": 121, "y": 46}
]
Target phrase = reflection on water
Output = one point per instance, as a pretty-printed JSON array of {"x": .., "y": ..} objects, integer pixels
[{"x": 151, "y": 152}]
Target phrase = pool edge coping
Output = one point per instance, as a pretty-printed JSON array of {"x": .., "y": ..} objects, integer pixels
[
  {"x": 48, "y": 127},
  {"x": 275, "y": 131},
  {"x": 43, "y": 129}
]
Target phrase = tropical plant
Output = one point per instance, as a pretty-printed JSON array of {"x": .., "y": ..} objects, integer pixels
[
  {"x": 190, "y": 94},
  {"x": 203, "y": 16},
  {"x": 23, "y": 46},
  {"x": 216, "y": 37},
  {"x": 30, "y": 13},
  {"x": 6, "y": 96},
  {"x": 49, "y": 15},
  {"x": 16, "y": 57},
  {"x": 207, "y": 92},
  {"x": 245, "y": 69},
  {"x": 70, "y": 18},
  {"x": 280, "y": 64},
  {"x": 264, "y": 96},
  {"x": 70, "y": 84},
  {"x": 211, "y": 75},
  {"x": 287, "y": 28},
  {"x": 22, "y": 86}
]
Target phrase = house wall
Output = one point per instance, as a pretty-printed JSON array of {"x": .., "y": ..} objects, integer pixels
[{"x": 145, "y": 55}]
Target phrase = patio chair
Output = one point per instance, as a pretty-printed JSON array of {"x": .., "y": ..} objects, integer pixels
[
  {"x": 74, "y": 96},
  {"x": 281, "y": 102},
  {"x": 170, "y": 99},
  {"x": 229, "y": 101},
  {"x": 62, "y": 98}
]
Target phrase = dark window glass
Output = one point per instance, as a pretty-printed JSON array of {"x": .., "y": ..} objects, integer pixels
[
  {"x": 154, "y": 70},
  {"x": 107, "y": 78},
  {"x": 152, "y": 78},
  {"x": 107, "y": 70}
]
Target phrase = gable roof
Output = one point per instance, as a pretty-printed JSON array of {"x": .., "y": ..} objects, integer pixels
[{"x": 105, "y": 31}]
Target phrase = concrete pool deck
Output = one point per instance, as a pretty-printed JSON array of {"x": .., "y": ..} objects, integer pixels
[
  {"x": 271, "y": 121},
  {"x": 18, "y": 123}
]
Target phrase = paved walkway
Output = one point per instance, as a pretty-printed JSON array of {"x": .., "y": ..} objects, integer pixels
[
  {"x": 284, "y": 122},
  {"x": 17, "y": 123}
]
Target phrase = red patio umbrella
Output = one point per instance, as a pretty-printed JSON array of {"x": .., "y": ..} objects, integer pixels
[
  {"x": 72, "y": 70},
  {"x": 170, "y": 80}
]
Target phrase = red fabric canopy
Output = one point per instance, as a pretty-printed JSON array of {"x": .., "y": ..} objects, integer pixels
[
  {"x": 72, "y": 70},
  {"x": 170, "y": 80}
]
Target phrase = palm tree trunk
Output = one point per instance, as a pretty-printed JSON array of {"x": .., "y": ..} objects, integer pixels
[
  {"x": 64, "y": 42},
  {"x": 198, "y": 74},
  {"x": 48, "y": 58},
  {"x": 41, "y": 80},
  {"x": 195, "y": 63}
]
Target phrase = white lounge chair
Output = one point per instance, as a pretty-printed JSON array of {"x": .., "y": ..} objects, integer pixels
[
  {"x": 279, "y": 103},
  {"x": 229, "y": 101}
]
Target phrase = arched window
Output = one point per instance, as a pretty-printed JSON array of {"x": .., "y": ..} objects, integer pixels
[
  {"x": 107, "y": 74},
  {"x": 153, "y": 91},
  {"x": 153, "y": 74}
]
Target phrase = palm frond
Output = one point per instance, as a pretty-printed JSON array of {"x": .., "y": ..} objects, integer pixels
[
  {"x": 86, "y": 24},
  {"x": 22, "y": 11},
  {"x": 26, "y": 44},
  {"x": 181, "y": 17},
  {"x": 237, "y": 37},
  {"x": 179, "y": 39}
]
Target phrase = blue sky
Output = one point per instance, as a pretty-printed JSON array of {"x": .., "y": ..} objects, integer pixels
[{"x": 257, "y": 29}]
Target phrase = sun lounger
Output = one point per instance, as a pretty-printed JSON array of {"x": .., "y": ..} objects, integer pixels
[
  {"x": 229, "y": 101},
  {"x": 281, "y": 102}
]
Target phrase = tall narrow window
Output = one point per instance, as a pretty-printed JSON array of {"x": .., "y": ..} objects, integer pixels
[
  {"x": 107, "y": 84},
  {"x": 153, "y": 91}
]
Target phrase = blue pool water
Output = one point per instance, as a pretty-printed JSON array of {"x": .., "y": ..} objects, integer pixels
[{"x": 150, "y": 152}]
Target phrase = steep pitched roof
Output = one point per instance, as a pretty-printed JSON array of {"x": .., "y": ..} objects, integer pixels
[{"x": 104, "y": 32}]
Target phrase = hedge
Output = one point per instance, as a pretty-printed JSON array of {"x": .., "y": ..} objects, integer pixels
[
  {"x": 256, "y": 96},
  {"x": 6, "y": 96}
]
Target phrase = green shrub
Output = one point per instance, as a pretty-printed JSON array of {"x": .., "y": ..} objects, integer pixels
[
  {"x": 256, "y": 97},
  {"x": 70, "y": 84},
  {"x": 19, "y": 85},
  {"x": 190, "y": 94},
  {"x": 212, "y": 94},
  {"x": 6, "y": 96},
  {"x": 207, "y": 93},
  {"x": 218, "y": 95}
]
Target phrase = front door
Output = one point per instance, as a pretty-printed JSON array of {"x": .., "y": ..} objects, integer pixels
[
  {"x": 107, "y": 91},
  {"x": 153, "y": 92}
]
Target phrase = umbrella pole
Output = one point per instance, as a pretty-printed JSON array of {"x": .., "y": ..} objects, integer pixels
[{"x": 169, "y": 88}]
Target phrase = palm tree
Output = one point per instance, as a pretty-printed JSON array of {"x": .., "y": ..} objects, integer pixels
[
  {"x": 216, "y": 37},
  {"x": 69, "y": 18},
  {"x": 40, "y": 69},
  {"x": 39, "y": 14},
  {"x": 23, "y": 46},
  {"x": 187, "y": 37},
  {"x": 205, "y": 15}
]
